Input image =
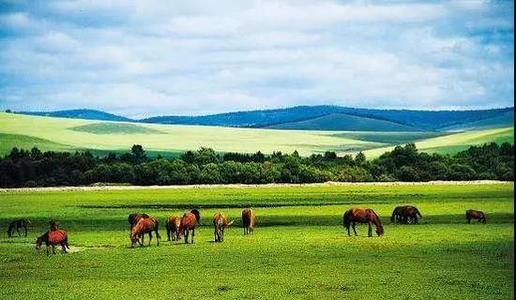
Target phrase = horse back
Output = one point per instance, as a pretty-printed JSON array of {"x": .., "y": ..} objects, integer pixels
[
  {"x": 188, "y": 221},
  {"x": 56, "y": 237}
]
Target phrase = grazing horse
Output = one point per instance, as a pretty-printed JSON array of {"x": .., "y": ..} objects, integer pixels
[
  {"x": 475, "y": 214},
  {"x": 188, "y": 223},
  {"x": 248, "y": 220},
  {"x": 53, "y": 238},
  {"x": 173, "y": 224},
  {"x": 405, "y": 215},
  {"x": 144, "y": 225},
  {"x": 134, "y": 218},
  {"x": 16, "y": 225},
  {"x": 362, "y": 215},
  {"x": 220, "y": 222}
]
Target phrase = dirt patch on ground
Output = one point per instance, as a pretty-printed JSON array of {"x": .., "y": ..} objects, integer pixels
[{"x": 236, "y": 186}]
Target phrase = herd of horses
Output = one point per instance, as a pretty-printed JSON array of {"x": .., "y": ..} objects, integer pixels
[{"x": 179, "y": 227}]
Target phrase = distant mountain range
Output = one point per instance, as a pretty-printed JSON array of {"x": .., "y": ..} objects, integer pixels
[{"x": 324, "y": 117}]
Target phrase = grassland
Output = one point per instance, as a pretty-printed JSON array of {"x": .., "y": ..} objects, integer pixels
[
  {"x": 74, "y": 134},
  {"x": 299, "y": 250}
]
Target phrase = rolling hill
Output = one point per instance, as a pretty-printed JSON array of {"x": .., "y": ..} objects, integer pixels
[
  {"x": 324, "y": 117},
  {"x": 86, "y": 114},
  {"x": 339, "y": 122},
  {"x": 64, "y": 134},
  {"x": 303, "y": 117}
]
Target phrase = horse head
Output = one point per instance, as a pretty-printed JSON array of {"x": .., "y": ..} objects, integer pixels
[{"x": 197, "y": 214}]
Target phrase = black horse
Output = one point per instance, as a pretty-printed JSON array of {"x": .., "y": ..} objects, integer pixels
[{"x": 16, "y": 225}]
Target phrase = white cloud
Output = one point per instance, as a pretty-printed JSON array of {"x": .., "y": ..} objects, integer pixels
[{"x": 155, "y": 57}]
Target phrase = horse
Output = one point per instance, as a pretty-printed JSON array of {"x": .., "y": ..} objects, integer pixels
[
  {"x": 16, "y": 225},
  {"x": 188, "y": 223},
  {"x": 54, "y": 224},
  {"x": 53, "y": 238},
  {"x": 475, "y": 214},
  {"x": 134, "y": 218},
  {"x": 248, "y": 220},
  {"x": 362, "y": 215},
  {"x": 172, "y": 225},
  {"x": 220, "y": 222},
  {"x": 405, "y": 215},
  {"x": 145, "y": 225}
]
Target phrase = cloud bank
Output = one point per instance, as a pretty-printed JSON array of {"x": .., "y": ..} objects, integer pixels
[{"x": 142, "y": 58}]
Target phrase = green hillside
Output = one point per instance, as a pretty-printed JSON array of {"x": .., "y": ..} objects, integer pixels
[
  {"x": 61, "y": 134},
  {"x": 344, "y": 122},
  {"x": 507, "y": 119},
  {"x": 114, "y": 128}
]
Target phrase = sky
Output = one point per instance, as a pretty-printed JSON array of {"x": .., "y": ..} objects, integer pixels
[{"x": 147, "y": 58}]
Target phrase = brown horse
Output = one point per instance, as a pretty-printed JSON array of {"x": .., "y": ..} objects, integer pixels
[
  {"x": 134, "y": 218},
  {"x": 405, "y": 215},
  {"x": 362, "y": 215},
  {"x": 172, "y": 225},
  {"x": 220, "y": 222},
  {"x": 248, "y": 220},
  {"x": 16, "y": 225},
  {"x": 188, "y": 224},
  {"x": 52, "y": 238},
  {"x": 475, "y": 214},
  {"x": 144, "y": 225}
]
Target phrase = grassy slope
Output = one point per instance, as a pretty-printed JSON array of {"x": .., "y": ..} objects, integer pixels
[
  {"x": 344, "y": 122},
  {"x": 177, "y": 138},
  {"x": 114, "y": 128},
  {"x": 298, "y": 251},
  {"x": 457, "y": 142},
  {"x": 8, "y": 141},
  {"x": 507, "y": 119}
]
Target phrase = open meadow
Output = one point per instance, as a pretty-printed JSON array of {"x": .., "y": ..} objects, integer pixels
[
  {"x": 299, "y": 250},
  {"x": 60, "y": 134}
]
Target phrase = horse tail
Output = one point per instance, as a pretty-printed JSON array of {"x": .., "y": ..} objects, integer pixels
[{"x": 345, "y": 219}]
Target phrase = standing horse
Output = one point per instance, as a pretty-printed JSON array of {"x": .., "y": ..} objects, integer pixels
[
  {"x": 134, "y": 218},
  {"x": 220, "y": 222},
  {"x": 248, "y": 220},
  {"x": 362, "y": 215},
  {"x": 188, "y": 224},
  {"x": 145, "y": 225},
  {"x": 405, "y": 215},
  {"x": 172, "y": 225},
  {"x": 475, "y": 214},
  {"x": 16, "y": 225},
  {"x": 52, "y": 238}
]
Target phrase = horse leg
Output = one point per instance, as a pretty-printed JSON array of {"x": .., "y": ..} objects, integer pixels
[
  {"x": 53, "y": 249},
  {"x": 18, "y": 230},
  {"x": 186, "y": 235},
  {"x": 157, "y": 237},
  {"x": 369, "y": 230},
  {"x": 193, "y": 234},
  {"x": 25, "y": 231},
  {"x": 48, "y": 249},
  {"x": 150, "y": 237},
  {"x": 142, "y": 237},
  {"x": 222, "y": 235},
  {"x": 354, "y": 225},
  {"x": 63, "y": 245},
  {"x": 169, "y": 231},
  {"x": 347, "y": 227}
]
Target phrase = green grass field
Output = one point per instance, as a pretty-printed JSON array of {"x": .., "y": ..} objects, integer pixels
[
  {"x": 298, "y": 251},
  {"x": 25, "y": 131}
]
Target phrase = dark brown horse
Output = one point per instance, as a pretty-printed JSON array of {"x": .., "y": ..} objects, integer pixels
[
  {"x": 172, "y": 225},
  {"x": 52, "y": 238},
  {"x": 188, "y": 224},
  {"x": 248, "y": 220},
  {"x": 220, "y": 222},
  {"x": 144, "y": 225},
  {"x": 134, "y": 218},
  {"x": 405, "y": 214},
  {"x": 475, "y": 214},
  {"x": 362, "y": 215},
  {"x": 16, "y": 225}
]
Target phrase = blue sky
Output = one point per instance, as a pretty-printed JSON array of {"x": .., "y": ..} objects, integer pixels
[{"x": 143, "y": 58}]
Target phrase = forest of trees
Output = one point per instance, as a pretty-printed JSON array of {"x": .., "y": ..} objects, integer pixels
[{"x": 22, "y": 168}]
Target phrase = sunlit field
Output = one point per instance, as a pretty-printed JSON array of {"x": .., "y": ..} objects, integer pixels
[
  {"x": 299, "y": 249},
  {"x": 60, "y": 134}
]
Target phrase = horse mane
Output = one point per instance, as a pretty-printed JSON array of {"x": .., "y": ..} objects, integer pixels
[{"x": 197, "y": 214}]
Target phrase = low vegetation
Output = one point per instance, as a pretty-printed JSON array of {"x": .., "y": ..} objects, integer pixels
[
  {"x": 33, "y": 168},
  {"x": 299, "y": 249}
]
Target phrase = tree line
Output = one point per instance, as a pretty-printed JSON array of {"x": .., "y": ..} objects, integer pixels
[{"x": 22, "y": 168}]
